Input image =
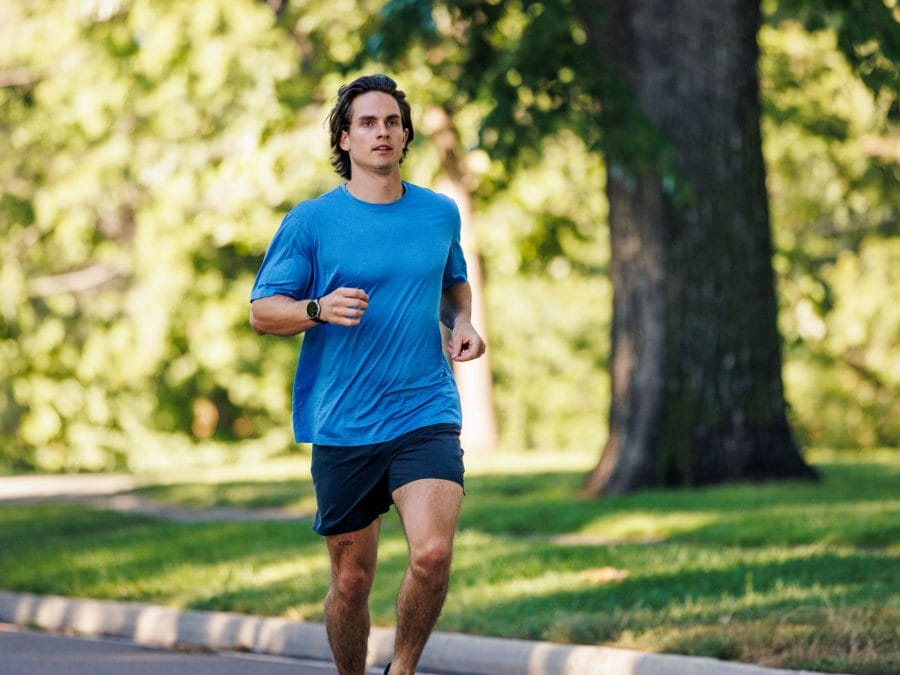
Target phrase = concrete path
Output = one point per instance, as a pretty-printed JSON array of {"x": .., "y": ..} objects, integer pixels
[
  {"x": 114, "y": 492},
  {"x": 63, "y": 486}
]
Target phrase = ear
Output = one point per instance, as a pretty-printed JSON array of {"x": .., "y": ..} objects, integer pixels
[{"x": 344, "y": 142}]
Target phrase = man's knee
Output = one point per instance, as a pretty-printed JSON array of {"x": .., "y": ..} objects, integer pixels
[
  {"x": 431, "y": 562},
  {"x": 351, "y": 586}
]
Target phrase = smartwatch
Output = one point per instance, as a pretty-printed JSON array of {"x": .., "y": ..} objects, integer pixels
[{"x": 313, "y": 309}]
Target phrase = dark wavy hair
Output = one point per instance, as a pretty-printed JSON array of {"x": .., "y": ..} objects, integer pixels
[{"x": 340, "y": 116}]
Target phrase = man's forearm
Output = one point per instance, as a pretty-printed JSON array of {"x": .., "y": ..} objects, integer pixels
[
  {"x": 456, "y": 305},
  {"x": 279, "y": 315}
]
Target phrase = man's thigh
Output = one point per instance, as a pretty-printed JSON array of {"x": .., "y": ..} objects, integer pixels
[
  {"x": 355, "y": 554},
  {"x": 429, "y": 509}
]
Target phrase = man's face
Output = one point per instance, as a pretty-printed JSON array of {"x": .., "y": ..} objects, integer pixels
[{"x": 376, "y": 138}]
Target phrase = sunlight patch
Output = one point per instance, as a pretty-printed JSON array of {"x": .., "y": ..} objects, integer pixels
[{"x": 604, "y": 575}]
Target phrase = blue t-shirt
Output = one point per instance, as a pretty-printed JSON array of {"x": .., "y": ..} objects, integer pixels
[{"x": 372, "y": 382}]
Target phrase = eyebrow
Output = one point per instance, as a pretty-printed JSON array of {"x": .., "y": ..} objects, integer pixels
[{"x": 392, "y": 116}]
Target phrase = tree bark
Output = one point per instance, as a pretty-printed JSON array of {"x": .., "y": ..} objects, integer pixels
[
  {"x": 473, "y": 379},
  {"x": 697, "y": 395}
]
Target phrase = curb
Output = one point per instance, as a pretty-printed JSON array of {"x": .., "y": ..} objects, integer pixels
[{"x": 446, "y": 653}]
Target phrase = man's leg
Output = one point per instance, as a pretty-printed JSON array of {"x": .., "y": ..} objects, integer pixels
[
  {"x": 429, "y": 509},
  {"x": 353, "y": 559}
]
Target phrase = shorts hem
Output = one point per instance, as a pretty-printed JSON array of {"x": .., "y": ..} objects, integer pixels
[
  {"x": 459, "y": 480},
  {"x": 351, "y": 526}
]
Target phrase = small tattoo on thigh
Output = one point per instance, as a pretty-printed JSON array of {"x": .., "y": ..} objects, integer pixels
[{"x": 345, "y": 542}]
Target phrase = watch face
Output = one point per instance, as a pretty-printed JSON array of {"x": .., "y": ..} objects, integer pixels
[{"x": 312, "y": 309}]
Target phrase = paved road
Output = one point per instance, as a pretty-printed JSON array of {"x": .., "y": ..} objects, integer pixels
[{"x": 25, "y": 652}]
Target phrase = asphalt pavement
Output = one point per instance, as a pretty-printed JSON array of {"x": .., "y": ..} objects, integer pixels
[{"x": 25, "y": 652}]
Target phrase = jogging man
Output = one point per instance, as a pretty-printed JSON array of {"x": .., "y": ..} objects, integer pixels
[{"x": 368, "y": 271}]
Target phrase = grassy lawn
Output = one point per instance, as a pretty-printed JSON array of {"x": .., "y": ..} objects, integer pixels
[{"x": 793, "y": 575}]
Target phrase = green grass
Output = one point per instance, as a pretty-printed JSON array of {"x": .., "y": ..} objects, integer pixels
[{"x": 793, "y": 575}]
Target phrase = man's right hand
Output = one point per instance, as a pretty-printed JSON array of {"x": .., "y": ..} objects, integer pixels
[{"x": 344, "y": 306}]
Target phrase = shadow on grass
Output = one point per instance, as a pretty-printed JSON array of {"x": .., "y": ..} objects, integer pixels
[
  {"x": 242, "y": 494},
  {"x": 751, "y": 587},
  {"x": 854, "y": 504},
  {"x": 815, "y": 606},
  {"x": 71, "y": 550}
]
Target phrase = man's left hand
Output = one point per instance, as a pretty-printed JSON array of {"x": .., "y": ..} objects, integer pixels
[{"x": 465, "y": 343}]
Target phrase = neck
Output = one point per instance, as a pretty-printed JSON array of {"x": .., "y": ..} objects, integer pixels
[{"x": 375, "y": 188}]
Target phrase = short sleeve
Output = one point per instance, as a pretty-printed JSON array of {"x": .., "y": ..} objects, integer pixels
[
  {"x": 287, "y": 266},
  {"x": 455, "y": 267}
]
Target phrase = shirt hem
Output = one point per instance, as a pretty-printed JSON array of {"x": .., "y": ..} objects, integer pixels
[{"x": 316, "y": 439}]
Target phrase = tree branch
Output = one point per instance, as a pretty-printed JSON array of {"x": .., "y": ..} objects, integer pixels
[
  {"x": 77, "y": 281},
  {"x": 19, "y": 77}
]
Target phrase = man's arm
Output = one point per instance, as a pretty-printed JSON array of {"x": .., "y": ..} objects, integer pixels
[
  {"x": 284, "y": 316},
  {"x": 456, "y": 313}
]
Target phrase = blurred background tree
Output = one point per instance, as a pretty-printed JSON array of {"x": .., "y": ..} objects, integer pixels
[
  {"x": 149, "y": 149},
  {"x": 670, "y": 95},
  {"x": 833, "y": 153}
]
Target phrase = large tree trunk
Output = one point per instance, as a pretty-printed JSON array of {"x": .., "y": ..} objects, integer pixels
[
  {"x": 696, "y": 358},
  {"x": 473, "y": 379}
]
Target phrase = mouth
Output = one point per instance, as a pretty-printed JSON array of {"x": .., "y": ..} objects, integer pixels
[{"x": 382, "y": 148}]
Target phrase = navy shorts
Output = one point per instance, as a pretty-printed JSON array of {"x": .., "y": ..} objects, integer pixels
[{"x": 354, "y": 483}]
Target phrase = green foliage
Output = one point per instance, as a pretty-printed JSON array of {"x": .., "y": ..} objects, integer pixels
[
  {"x": 148, "y": 153},
  {"x": 531, "y": 64},
  {"x": 799, "y": 575},
  {"x": 545, "y": 248},
  {"x": 148, "y": 150},
  {"x": 868, "y": 36},
  {"x": 833, "y": 165},
  {"x": 530, "y": 67}
]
